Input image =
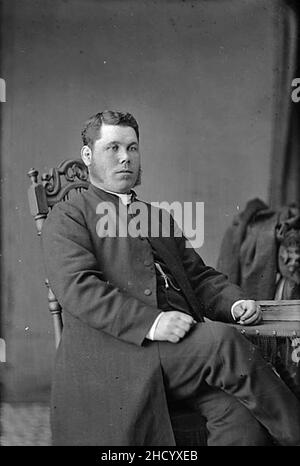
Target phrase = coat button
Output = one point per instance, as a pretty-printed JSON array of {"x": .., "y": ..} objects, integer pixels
[
  {"x": 147, "y": 292},
  {"x": 147, "y": 262}
]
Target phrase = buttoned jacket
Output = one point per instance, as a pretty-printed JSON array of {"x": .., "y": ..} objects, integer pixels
[{"x": 108, "y": 387}]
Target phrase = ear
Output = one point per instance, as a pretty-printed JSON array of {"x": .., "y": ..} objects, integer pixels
[{"x": 86, "y": 155}]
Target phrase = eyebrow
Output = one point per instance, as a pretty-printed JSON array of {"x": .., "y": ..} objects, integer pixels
[{"x": 118, "y": 142}]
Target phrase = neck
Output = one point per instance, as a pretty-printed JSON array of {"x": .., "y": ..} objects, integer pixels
[
  {"x": 127, "y": 193},
  {"x": 100, "y": 186}
]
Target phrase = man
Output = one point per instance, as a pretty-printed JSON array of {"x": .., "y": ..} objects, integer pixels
[{"x": 134, "y": 335}]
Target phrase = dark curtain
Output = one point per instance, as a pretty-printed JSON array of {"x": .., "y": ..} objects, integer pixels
[{"x": 285, "y": 158}]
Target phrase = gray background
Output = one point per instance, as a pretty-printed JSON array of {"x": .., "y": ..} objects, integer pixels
[{"x": 199, "y": 78}]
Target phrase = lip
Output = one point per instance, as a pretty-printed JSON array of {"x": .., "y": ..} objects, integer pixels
[{"x": 125, "y": 171}]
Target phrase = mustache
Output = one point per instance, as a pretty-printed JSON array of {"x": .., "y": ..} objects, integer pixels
[{"x": 138, "y": 178}]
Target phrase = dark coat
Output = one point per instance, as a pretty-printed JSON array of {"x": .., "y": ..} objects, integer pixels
[
  {"x": 249, "y": 249},
  {"x": 248, "y": 253},
  {"x": 108, "y": 386}
]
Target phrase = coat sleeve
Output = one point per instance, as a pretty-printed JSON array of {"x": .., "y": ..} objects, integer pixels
[
  {"x": 214, "y": 292},
  {"x": 76, "y": 279}
]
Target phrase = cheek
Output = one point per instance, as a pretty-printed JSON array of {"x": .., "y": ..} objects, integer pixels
[
  {"x": 104, "y": 165},
  {"x": 137, "y": 160}
]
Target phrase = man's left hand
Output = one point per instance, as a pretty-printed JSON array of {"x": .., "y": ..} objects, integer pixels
[{"x": 247, "y": 312}]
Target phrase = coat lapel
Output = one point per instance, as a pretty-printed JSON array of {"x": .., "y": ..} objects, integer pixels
[{"x": 170, "y": 256}]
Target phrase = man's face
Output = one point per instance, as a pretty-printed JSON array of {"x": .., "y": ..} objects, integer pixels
[{"x": 114, "y": 163}]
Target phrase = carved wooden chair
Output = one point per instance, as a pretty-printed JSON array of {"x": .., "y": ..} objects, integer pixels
[{"x": 58, "y": 185}]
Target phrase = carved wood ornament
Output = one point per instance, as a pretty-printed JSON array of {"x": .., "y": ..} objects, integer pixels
[{"x": 59, "y": 184}]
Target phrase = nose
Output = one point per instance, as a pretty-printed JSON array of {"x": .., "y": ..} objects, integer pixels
[{"x": 124, "y": 156}]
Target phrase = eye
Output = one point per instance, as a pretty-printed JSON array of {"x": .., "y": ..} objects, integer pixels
[
  {"x": 114, "y": 148},
  {"x": 133, "y": 148}
]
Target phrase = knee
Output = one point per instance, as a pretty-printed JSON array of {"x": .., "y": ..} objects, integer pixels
[
  {"x": 225, "y": 333},
  {"x": 229, "y": 339}
]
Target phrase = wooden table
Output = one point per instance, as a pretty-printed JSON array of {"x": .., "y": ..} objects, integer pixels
[{"x": 279, "y": 343}]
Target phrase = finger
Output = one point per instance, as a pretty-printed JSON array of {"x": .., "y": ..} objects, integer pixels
[
  {"x": 249, "y": 312},
  {"x": 260, "y": 317},
  {"x": 173, "y": 339},
  {"x": 240, "y": 310},
  {"x": 179, "y": 332},
  {"x": 183, "y": 325},
  {"x": 186, "y": 318},
  {"x": 254, "y": 318},
  {"x": 256, "y": 321},
  {"x": 250, "y": 322},
  {"x": 249, "y": 315},
  {"x": 253, "y": 310}
]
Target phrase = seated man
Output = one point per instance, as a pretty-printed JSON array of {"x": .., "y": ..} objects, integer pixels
[{"x": 134, "y": 336}]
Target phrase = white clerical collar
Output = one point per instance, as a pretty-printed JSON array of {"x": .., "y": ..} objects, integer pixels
[{"x": 125, "y": 198}]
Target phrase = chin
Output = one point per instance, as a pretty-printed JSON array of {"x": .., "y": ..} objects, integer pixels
[
  {"x": 123, "y": 188},
  {"x": 127, "y": 184}
]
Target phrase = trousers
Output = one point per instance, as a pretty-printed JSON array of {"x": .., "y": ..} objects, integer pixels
[{"x": 218, "y": 367}]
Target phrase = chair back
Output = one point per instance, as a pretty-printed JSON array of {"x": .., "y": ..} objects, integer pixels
[{"x": 58, "y": 185}]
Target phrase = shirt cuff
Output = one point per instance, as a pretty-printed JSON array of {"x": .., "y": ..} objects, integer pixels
[
  {"x": 150, "y": 334},
  {"x": 233, "y": 306}
]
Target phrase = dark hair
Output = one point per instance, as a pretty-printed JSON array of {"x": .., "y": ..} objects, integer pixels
[{"x": 91, "y": 130}]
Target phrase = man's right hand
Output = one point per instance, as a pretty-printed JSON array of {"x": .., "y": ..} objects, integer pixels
[{"x": 173, "y": 326}]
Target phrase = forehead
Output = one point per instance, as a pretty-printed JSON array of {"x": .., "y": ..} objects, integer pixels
[{"x": 116, "y": 133}]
